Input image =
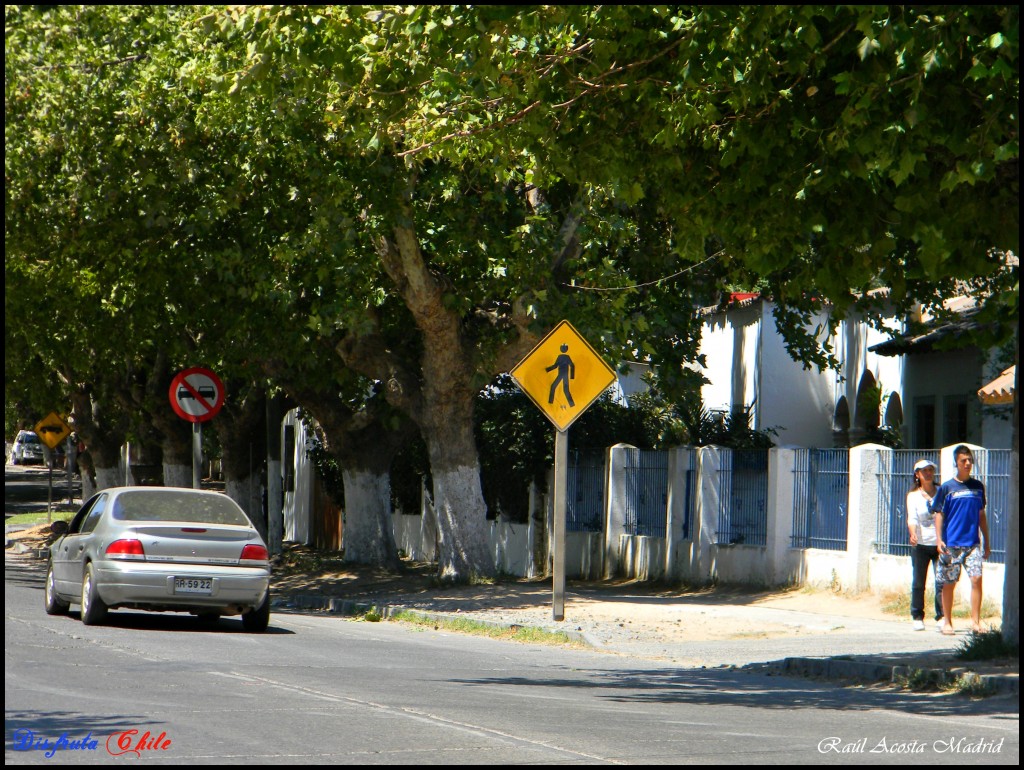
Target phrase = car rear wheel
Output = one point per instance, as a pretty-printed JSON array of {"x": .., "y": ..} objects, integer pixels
[
  {"x": 257, "y": 620},
  {"x": 94, "y": 611},
  {"x": 54, "y": 604}
]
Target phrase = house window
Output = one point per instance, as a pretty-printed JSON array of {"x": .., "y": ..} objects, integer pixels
[
  {"x": 924, "y": 422},
  {"x": 954, "y": 419}
]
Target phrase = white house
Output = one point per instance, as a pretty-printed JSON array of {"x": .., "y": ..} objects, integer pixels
[{"x": 927, "y": 394}]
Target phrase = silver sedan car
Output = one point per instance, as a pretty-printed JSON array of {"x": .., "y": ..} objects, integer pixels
[{"x": 160, "y": 549}]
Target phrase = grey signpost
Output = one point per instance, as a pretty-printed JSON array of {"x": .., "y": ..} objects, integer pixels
[{"x": 196, "y": 395}]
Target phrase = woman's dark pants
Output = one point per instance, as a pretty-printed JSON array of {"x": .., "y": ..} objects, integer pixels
[{"x": 922, "y": 557}]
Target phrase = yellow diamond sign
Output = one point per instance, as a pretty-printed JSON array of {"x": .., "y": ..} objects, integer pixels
[
  {"x": 563, "y": 375},
  {"x": 52, "y": 430}
]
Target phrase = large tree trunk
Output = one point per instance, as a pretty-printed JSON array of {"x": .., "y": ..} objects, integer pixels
[
  {"x": 444, "y": 409},
  {"x": 241, "y": 429},
  {"x": 463, "y": 544},
  {"x": 102, "y": 429},
  {"x": 368, "y": 536}
]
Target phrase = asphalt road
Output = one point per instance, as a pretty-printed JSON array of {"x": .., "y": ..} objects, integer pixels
[{"x": 317, "y": 689}]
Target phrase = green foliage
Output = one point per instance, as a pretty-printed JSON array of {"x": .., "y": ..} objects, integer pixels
[
  {"x": 327, "y": 469},
  {"x": 410, "y": 471},
  {"x": 516, "y": 441},
  {"x": 699, "y": 427},
  {"x": 989, "y": 645}
]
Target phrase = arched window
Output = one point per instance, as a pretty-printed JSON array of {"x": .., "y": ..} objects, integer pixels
[
  {"x": 869, "y": 402},
  {"x": 893, "y": 411}
]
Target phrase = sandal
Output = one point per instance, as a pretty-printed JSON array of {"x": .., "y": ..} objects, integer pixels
[{"x": 947, "y": 631}]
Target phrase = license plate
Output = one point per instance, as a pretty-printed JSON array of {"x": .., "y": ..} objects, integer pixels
[{"x": 193, "y": 585}]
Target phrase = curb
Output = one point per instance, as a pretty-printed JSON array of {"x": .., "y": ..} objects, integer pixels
[
  {"x": 387, "y": 611},
  {"x": 859, "y": 671}
]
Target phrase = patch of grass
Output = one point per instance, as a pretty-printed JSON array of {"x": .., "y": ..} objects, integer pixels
[
  {"x": 921, "y": 680},
  {"x": 972, "y": 686},
  {"x": 989, "y": 645},
  {"x": 31, "y": 519},
  {"x": 898, "y": 603},
  {"x": 466, "y": 626},
  {"x": 373, "y": 615}
]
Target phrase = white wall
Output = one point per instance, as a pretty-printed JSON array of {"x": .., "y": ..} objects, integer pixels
[
  {"x": 730, "y": 343},
  {"x": 797, "y": 402}
]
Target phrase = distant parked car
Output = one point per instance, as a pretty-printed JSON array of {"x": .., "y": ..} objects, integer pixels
[
  {"x": 27, "y": 448},
  {"x": 160, "y": 549}
]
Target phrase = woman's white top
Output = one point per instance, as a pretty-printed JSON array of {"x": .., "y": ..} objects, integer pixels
[{"x": 920, "y": 516}]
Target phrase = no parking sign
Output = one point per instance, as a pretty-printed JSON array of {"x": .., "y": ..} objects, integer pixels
[{"x": 196, "y": 394}]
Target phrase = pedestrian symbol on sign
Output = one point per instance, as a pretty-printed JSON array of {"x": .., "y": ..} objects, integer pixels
[{"x": 566, "y": 371}]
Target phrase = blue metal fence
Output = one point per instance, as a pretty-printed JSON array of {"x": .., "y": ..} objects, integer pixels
[
  {"x": 821, "y": 491},
  {"x": 895, "y": 478},
  {"x": 585, "y": 492},
  {"x": 743, "y": 497},
  {"x": 646, "y": 492},
  {"x": 992, "y": 467},
  {"x": 994, "y": 471}
]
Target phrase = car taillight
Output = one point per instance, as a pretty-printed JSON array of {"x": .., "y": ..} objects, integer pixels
[
  {"x": 126, "y": 549},
  {"x": 254, "y": 553}
]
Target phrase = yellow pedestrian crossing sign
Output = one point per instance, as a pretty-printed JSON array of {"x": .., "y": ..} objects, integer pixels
[{"x": 563, "y": 375}]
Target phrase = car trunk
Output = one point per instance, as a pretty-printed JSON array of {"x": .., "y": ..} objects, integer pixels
[{"x": 192, "y": 543}]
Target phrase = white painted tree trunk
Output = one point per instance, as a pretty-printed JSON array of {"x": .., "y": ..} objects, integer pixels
[
  {"x": 368, "y": 536},
  {"x": 88, "y": 487},
  {"x": 177, "y": 475},
  {"x": 463, "y": 548},
  {"x": 248, "y": 493},
  {"x": 108, "y": 477}
]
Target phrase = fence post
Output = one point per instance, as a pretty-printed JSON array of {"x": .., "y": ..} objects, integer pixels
[
  {"x": 866, "y": 461},
  {"x": 428, "y": 525},
  {"x": 947, "y": 463},
  {"x": 615, "y": 519},
  {"x": 676, "y": 550},
  {"x": 537, "y": 536},
  {"x": 708, "y": 502},
  {"x": 781, "y": 465}
]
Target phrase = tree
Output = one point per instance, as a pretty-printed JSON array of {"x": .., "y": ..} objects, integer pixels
[{"x": 827, "y": 149}]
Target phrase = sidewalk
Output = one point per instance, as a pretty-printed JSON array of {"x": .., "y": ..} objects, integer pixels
[{"x": 797, "y": 633}]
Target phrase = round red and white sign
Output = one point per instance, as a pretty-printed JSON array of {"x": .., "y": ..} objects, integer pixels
[{"x": 196, "y": 394}]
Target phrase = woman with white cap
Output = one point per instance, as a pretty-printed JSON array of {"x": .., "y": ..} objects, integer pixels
[{"x": 924, "y": 548}]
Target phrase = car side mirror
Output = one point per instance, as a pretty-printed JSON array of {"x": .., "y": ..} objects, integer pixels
[{"x": 59, "y": 528}]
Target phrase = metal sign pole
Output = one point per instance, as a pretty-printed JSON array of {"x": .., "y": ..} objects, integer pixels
[
  {"x": 49, "y": 489},
  {"x": 197, "y": 455},
  {"x": 558, "y": 568}
]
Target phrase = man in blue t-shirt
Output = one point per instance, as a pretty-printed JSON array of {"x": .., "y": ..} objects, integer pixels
[{"x": 960, "y": 527}]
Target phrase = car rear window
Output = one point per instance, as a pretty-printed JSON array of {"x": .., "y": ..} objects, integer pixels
[{"x": 178, "y": 506}]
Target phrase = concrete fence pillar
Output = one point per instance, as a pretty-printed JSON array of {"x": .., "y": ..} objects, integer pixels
[
  {"x": 781, "y": 504},
  {"x": 866, "y": 461},
  {"x": 615, "y": 519},
  {"x": 678, "y": 547},
  {"x": 709, "y": 492}
]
